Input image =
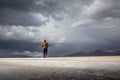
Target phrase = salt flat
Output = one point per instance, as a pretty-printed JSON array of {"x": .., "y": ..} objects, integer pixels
[
  {"x": 60, "y": 68},
  {"x": 109, "y": 62}
]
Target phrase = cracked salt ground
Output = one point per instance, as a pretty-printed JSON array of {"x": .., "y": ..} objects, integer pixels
[{"x": 60, "y": 68}]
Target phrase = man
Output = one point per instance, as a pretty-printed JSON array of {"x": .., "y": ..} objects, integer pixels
[{"x": 45, "y": 48}]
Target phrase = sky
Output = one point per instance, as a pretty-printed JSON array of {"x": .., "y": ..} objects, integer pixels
[{"x": 68, "y": 26}]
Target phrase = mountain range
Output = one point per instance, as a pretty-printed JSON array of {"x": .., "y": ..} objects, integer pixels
[{"x": 98, "y": 52}]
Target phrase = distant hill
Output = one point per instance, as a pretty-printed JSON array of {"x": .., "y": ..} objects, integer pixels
[{"x": 115, "y": 52}]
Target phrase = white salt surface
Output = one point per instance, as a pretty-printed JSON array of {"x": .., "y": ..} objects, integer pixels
[{"x": 106, "y": 62}]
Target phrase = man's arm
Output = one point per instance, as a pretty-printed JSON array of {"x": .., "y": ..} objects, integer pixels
[{"x": 47, "y": 45}]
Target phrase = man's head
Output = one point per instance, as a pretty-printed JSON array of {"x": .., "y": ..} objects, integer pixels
[{"x": 44, "y": 40}]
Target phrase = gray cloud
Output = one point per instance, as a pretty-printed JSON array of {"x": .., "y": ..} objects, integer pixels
[
  {"x": 100, "y": 15},
  {"x": 99, "y": 9},
  {"x": 21, "y": 12},
  {"x": 99, "y": 26}
]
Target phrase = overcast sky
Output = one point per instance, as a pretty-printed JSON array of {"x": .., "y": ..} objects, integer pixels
[{"x": 68, "y": 26}]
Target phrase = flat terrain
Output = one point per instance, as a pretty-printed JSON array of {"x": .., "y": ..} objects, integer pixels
[{"x": 61, "y": 68}]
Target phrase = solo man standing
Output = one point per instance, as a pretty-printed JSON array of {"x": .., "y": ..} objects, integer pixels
[{"x": 45, "y": 48}]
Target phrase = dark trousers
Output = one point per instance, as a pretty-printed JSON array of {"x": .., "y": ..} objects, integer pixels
[{"x": 45, "y": 52}]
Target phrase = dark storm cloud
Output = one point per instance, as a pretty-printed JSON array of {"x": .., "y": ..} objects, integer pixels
[
  {"x": 20, "y": 46},
  {"x": 22, "y": 5},
  {"x": 21, "y": 12},
  {"x": 12, "y": 17},
  {"x": 16, "y": 45},
  {"x": 43, "y": 6}
]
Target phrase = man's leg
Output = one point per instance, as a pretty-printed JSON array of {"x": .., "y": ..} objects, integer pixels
[{"x": 44, "y": 53}]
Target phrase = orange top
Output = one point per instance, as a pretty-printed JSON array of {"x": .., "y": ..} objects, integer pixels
[{"x": 44, "y": 44}]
